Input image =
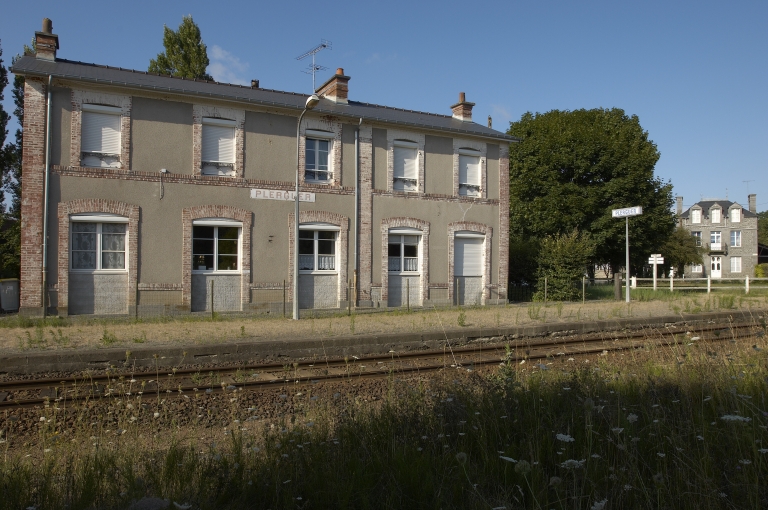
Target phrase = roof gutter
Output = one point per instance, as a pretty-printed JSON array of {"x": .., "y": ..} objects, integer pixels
[{"x": 506, "y": 138}]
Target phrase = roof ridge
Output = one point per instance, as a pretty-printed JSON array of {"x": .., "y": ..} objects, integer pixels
[{"x": 404, "y": 110}]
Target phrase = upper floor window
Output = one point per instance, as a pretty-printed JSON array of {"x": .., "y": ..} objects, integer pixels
[
  {"x": 736, "y": 238},
  {"x": 697, "y": 237},
  {"x": 714, "y": 215},
  {"x": 100, "y": 136},
  {"x": 218, "y": 147},
  {"x": 715, "y": 240},
  {"x": 403, "y": 252},
  {"x": 735, "y": 215},
  {"x": 469, "y": 172},
  {"x": 216, "y": 245},
  {"x": 405, "y": 168},
  {"x": 98, "y": 243},
  {"x": 317, "y": 250},
  {"x": 695, "y": 215},
  {"x": 317, "y": 163}
]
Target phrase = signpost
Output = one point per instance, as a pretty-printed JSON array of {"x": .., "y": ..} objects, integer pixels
[
  {"x": 626, "y": 213},
  {"x": 654, "y": 260}
]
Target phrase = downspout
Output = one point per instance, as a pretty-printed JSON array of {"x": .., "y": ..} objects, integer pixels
[
  {"x": 357, "y": 207},
  {"x": 45, "y": 196}
]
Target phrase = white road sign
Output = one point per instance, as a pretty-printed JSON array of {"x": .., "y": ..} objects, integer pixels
[
  {"x": 276, "y": 194},
  {"x": 627, "y": 211},
  {"x": 656, "y": 259}
]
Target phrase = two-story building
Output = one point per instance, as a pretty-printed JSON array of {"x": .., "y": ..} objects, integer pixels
[
  {"x": 142, "y": 190},
  {"x": 728, "y": 234}
]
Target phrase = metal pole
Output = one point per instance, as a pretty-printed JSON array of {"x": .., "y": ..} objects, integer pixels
[
  {"x": 212, "y": 282},
  {"x": 283, "y": 299},
  {"x": 296, "y": 227},
  {"x": 349, "y": 297},
  {"x": 654, "y": 274},
  {"x": 408, "y": 294},
  {"x": 583, "y": 289},
  {"x": 545, "y": 290},
  {"x": 627, "y": 250}
]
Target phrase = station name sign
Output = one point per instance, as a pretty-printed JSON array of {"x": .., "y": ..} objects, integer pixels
[
  {"x": 276, "y": 194},
  {"x": 627, "y": 211}
]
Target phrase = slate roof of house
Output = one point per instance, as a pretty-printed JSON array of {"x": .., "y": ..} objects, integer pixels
[
  {"x": 706, "y": 205},
  {"x": 105, "y": 75}
]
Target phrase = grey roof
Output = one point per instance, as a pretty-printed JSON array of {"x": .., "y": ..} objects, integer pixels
[
  {"x": 99, "y": 74},
  {"x": 706, "y": 205}
]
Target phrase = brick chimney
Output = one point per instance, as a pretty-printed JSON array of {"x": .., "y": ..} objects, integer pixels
[
  {"x": 46, "y": 42},
  {"x": 336, "y": 88},
  {"x": 463, "y": 109},
  {"x": 679, "y": 201},
  {"x": 752, "y": 199}
]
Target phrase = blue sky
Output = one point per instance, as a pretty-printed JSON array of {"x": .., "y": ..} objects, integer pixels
[{"x": 695, "y": 73}]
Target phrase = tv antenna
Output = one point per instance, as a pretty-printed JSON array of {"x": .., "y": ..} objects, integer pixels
[
  {"x": 747, "y": 183},
  {"x": 313, "y": 68}
]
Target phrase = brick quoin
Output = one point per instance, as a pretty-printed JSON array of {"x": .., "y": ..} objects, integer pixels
[
  {"x": 487, "y": 250},
  {"x": 33, "y": 169},
  {"x": 365, "y": 216},
  {"x": 503, "y": 237}
]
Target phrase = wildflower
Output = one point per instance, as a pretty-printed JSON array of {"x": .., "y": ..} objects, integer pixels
[
  {"x": 42, "y": 418},
  {"x": 565, "y": 438},
  {"x": 746, "y": 462},
  {"x": 461, "y": 457},
  {"x": 632, "y": 418},
  {"x": 707, "y": 399},
  {"x": 599, "y": 505},
  {"x": 735, "y": 417},
  {"x": 595, "y": 456},
  {"x": 627, "y": 487},
  {"x": 555, "y": 481},
  {"x": 573, "y": 464},
  {"x": 523, "y": 467},
  {"x": 508, "y": 459},
  {"x": 287, "y": 481},
  {"x": 542, "y": 366},
  {"x": 617, "y": 430},
  {"x": 635, "y": 439},
  {"x": 660, "y": 454},
  {"x": 700, "y": 438},
  {"x": 419, "y": 449}
]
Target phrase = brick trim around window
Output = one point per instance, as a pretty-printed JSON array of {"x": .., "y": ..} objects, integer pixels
[
  {"x": 322, "y": 217},
  {"x": 410, "y": 136},
  {"x": 390, "y": 223},
  {"x": 199, "y": 112},
  {"x": 330, "y": 125},
  {"x": 188, "y": 215},
  {"x": 97, "y": 205},
  {"x": 482, "y": 148},
  {"x": 487, "y": 250},
  {"x": 81, "y": 97}
]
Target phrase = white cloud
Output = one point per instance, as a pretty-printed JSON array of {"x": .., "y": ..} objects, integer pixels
[
  {"x": 227, "y": 68},
  {"x": 501, "y": 114}
]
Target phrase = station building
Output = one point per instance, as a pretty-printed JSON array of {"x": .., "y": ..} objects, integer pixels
[{"x": 156, "y": 188}]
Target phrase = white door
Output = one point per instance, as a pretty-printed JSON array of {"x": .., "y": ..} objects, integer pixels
[
  {"x": 468, "y": 268},
  {"x": 716, "y": 267}
]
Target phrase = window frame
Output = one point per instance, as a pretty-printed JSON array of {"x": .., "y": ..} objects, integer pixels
[
  {"x": 405, "y": 144},
  {"x": 697, "y": 235},
  {"x": 697, "y": 268},
  {"x": 732, "y": 264},
  {"x": 469, "y": 152},
  {"x": 715, "y": 234},
  {"x": 324, "y": 136},
  {"x": 89, "y": 109},
  {"x": 316, "y": 228},
  {"x": 216, "y": 223},
  {"x": 402, "y": 233},
  {"x": 99, "y": 220},
  {"x": 696, "y": 216},
  {"x": 736, "y": 215},
  {"x": 221, "y": 123},
  {"x": 715, "y": 215},
  {"x": 735, "y": 238}
]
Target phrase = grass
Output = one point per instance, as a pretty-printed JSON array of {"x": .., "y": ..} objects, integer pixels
[{"x": 683, "y": 427}]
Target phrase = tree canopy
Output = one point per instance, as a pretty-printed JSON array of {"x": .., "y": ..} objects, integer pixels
[
  {"x": 185, "y": 55},
  {"x": 762, "y": 228},
  {"x": 572, "y": 167},
  {"x": 680, "y": 250}
]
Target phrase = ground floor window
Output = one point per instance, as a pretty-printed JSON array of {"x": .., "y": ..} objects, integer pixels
[
  {"x": 403, "y": 252},
  {"x": 735, "y": 264},
  {"x": 215, "y": 247},
  {"x": 97, "y": 246},
  {"x": 697, "y": 268},
  {"x": 317, "y": 250}
]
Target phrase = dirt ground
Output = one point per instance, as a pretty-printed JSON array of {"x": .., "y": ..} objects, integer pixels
[{"x": 77, "y": 333}]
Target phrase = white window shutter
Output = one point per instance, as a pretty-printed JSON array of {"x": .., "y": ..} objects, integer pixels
[
  {"x": 468, "y": 257},
  {"x": 405, "y": 167},
  {"x": 218, "y": 144},
  {"x": 100, "y": 133},
  {"x": 469, "y": 170}
]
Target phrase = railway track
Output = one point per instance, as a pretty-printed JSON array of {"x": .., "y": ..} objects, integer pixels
[{"x": 88, "y": 386}]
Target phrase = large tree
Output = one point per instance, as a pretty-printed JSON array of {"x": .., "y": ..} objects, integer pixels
[
  {"x": 185, "y": 55},
  {"x": 5, "y": 152},
  {"x": 680, "y": 250},
  {"x": 762, "y": 228},
  {"x": 572, "y": 167}
]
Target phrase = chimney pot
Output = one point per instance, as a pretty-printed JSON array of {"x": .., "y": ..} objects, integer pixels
[
  {"x": 490, "y": 122},
  {"x": 462, "y": 97},
  {"x": 336, "y": 88},
  {"x": 254, "y": 84},
  {"x": 463, "y": 109},
  {"x": 47, "y": 26},
  {"x": 340, "y": 71},
  {"x": 752, "y": 200},
  {"x": 46, "y": 42}
]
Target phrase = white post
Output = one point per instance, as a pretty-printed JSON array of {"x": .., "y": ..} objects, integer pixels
[
  {"x": 746, "y": 283},
  {"x": 709, "y": 284},
  {"x": 634, "y": 282},
  {"x": 627, "y": 252},
  {"x": 654, "y": 274},
  {"x": 671, "y": 282}
]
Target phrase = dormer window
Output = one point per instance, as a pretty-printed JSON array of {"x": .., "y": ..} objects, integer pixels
[
  {"x": 736, "y": 215},
  {"x": 714, "y": 216},
  {"x": 218, "y": 148},
  {"x": 695, "y": 215}
]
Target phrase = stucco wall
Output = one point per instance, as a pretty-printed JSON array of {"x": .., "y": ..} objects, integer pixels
[
  {"x": 492, "y": 167},
  {"x": 161, "y": 133},
  {"x": 438, "y": 171},
  {"x": 61, "y": 118},
  {"x": 270, "y": 146},
  {"x": 348, "y": 155},
  {"x": 379, "y": 158}
]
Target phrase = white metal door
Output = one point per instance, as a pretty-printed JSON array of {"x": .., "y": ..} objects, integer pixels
[
  {"x": 468, "y": 267},
  {"x": 716, "y": 267}
]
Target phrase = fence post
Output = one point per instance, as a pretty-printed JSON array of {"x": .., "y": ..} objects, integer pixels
[
  {"x": 408, "y": 293},
  {"x": 212, "y": 282},
  {"x": 283, "y": 299},
  {"x": 617, "y": 286},
  {"x": 672, "y": 283},
  {"x": 456, "y": 293},
  {"x": 746, "y": 283},
  {"x": 349, "y": 297},
  {"x": 583, "y": 289},
  {"x": 545, "y": 291},
  {"x": 633, "y": 279},
  {"x": 709, "y": 284}
]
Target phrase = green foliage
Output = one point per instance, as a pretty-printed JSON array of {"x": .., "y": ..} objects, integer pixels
[
  {"x": 185, "y": 56},
  {"x": 523, "y": 255},
  {"x": 572, "y": 167},
  {"x": 681, "y": 250},
  {"x": 563, "y": 260},
  {"x": 762, "y": 228},
  {"x": 761, "y": 271}
]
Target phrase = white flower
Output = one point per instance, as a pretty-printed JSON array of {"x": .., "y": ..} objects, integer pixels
[
  {"x": 763, "y": 450},
  {"x": 707, "y": 399},
  {"x": 617, "y": 430},
  {"x": 156, "y": 415},
  {"x": 700, "y": 438},
  {"x": 599, "y": 505},
  {"x": 595, "y": 456},
  {"x": 746, "y": 462},
  {"x": 627, "y": 487},
  {"x": 508, "y": 459},
  {"x": 555, "y": 481},
  {"x": 185, "y": 506},
  {"x": 573, "y": 464},
  {"x": 662, "y": 455},
  {"x": 632, "y": 418},
  {"x": 735, "y": 417},
  {"x": 565, "y": 438}
]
